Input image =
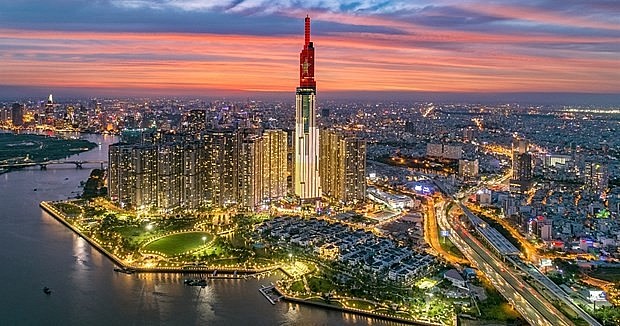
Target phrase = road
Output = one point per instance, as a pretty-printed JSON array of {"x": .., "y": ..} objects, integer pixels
[
  {"x": 431, "y": 234},
  {"x": 530, "y": 304}
]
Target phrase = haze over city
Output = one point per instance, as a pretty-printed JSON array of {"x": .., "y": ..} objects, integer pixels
[{"x": 192, "y": 47}]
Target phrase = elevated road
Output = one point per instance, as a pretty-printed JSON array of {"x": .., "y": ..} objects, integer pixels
[{"x": 530, "y": 304}]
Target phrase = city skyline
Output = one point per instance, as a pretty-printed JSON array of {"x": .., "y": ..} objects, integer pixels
[{"x": 197, "y": 47}]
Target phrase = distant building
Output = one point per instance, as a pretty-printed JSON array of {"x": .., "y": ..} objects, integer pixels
[
  {"x": 434, "y": 150},
  {"x": 468, "y": 169},
  {"x": 469, "y": 134},
  {"x": 521, "y": 166},
  {"x": 546, "y": 230},
  {"x": 196, "y": 122},
  {"x": 596, "y": 176},
  {"x": 552, "y": 160},
  {"x": 484, "y": 197},
  {"x": 454, "y": 277},
  {"x": 451, "y": 152},
  {"x": 17, "y": 114},
  {"x": 392, "y": 200}
]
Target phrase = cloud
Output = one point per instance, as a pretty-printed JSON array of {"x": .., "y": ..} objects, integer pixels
[{"x": 440, "y": 45}]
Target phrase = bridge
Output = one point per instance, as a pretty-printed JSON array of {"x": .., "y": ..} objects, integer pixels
[{"x": 43, "y": 164}]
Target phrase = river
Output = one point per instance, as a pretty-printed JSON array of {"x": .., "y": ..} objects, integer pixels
[{"x": 37, "y": 251}]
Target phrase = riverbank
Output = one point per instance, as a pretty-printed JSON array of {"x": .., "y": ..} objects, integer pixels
[
  {"x": 18, "y": 149},
  {"x": 361, "y": 312},
  {"x": 217, "y": 271},
  {"x": 220, "y": 272}
]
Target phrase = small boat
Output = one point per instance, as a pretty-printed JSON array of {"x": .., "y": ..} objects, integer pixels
[
  {"x": 197, "y": 282},
  {"x": 124, "y": 270},
  {"x": 47, "y": 290}
]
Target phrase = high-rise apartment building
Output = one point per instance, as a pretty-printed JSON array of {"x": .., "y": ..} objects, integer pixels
[
  {"x": 275, "y": 169},
  {"x": 17, "y": 114},
  {"x": 144, "y": 164},
  {"x": 250, "y": 171},
  {"x": 196, "y": 122},
  {"x": 121, "y": 178},
  {"x": 521, "y": 166},
  {"x": 221, "y": 174},
  {"x": 306, "y": 140},
  {"x": 170, "y": 175},
  {"x": 343, "y": 167},
  {"x": 596, "y": 176}
]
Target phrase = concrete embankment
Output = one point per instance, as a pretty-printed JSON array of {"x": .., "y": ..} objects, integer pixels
[
  {"x": 354, "y": 311},
  {"x": 61, "y": 218},
  {"x": 222, "y": 272}
]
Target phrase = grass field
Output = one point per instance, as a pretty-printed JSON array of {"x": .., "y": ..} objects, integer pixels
[{"x": 179, "y": 243}]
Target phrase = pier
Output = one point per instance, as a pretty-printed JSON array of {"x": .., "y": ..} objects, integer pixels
[{"x": 270, "y": 293}]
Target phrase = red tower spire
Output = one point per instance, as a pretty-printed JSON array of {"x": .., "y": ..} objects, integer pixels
[
  {"x": 307, "y": 32},
  {"x": 306, "y": 59}
]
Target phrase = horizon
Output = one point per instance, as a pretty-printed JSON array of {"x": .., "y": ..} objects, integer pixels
[
  {"x": 193, "y": 47},
  {"x": 63, "y": 95}
]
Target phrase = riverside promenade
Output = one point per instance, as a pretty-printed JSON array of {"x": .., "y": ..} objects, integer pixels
[
  {"x": 224, "y": 272},
  {"x": 372, "y": 314},
  {"x": 217, "y": 272}
]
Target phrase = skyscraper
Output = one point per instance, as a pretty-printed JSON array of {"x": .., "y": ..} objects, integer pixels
[
  {"x": 521, "y": 166},
  {"x": 17, "y": 114},
  {"x": 274, "y": 163},
  {"x": 343, "y": 167},
  {"x": 306, "y": 179}
]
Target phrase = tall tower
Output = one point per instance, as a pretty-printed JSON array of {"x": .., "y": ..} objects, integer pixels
[{"x": 306, "y": 178}]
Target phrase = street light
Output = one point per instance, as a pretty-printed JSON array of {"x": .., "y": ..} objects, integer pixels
[{"x": 149, "y": 227}]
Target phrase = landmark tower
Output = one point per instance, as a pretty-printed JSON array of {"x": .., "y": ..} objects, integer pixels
[{"x": 306, "y": 178}]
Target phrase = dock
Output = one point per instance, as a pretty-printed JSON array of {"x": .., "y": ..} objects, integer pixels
[{"x": 270, "y": 293}]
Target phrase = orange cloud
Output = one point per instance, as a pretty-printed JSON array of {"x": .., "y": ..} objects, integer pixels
[{"x": 421, "y": 59}]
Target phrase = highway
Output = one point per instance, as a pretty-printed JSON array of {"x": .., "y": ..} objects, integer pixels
[{"x": 530, "y": 304}]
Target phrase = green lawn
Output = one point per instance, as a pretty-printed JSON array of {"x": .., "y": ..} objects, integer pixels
[{"x": 179, "y": 243}]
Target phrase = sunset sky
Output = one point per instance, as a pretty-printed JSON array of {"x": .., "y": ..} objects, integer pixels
[{"x": 197, "y": 46}]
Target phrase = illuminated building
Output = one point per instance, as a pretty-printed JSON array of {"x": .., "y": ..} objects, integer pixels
[
  {"x": 17, "y": 114},
  {"x": 144, "y": 165},
  {"x": 596, "y": 176},
  {"x": 468, "y": 169},
  {"x": 169, "y": 175},
  {"x": 192, "y": 195},
  {"x": 452, "y": 152},
  {"x": 306, "y": 140},
  {"x": 196, "y": 122},
  {"x": 521, "y": 166},
  {"x": 343, "y": 167},
  {"x": 121, "y": 179},
  {"x": 434, "y": 150},
  {"x": 221, "y": 169},
  {"x": 49, "y": 110},
  {"x": 275, "y": 161},
  {"x": 250, "y": 171}
]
